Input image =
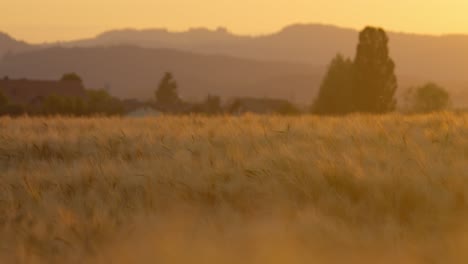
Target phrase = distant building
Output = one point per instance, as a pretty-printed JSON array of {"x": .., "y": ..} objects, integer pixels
[
  {"x": 33, "y": 92},
  {"x": 143, "y": 112},
  {"x": 131, "y": 105},
  {"x": 259, "y": 106}
]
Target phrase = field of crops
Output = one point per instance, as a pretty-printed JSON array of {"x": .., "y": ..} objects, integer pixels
[{"x": 251, "y": 189}]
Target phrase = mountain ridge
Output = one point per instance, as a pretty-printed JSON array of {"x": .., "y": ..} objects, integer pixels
[
  {"x": 419, "y": 58},
  {"x": 10, "y": 45},
  {"x": 443, "y": 57},
  {"x": 134, "y": 72}
]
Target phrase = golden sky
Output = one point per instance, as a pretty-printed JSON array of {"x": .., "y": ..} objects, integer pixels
[{"x": 51, "y": 20}]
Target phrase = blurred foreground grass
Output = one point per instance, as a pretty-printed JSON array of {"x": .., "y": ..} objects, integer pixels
[{"x": 252, "y": 189}]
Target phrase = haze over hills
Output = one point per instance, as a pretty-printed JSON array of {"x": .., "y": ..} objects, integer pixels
[
  {"x": 442, "y": 57},
  {"x": 10, "y": 45},
  {"x": 133, "y": 72},
  {"x": 419, "y": 58},
  {"x": 314, "y": 44}
]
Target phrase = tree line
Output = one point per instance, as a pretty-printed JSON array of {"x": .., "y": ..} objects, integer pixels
[
  {"x": 95, "y": 102},
  {"x": 365, "y": 84}
]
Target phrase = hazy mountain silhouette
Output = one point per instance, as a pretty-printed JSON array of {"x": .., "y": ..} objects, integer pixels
[
  {"x": 134, "y": 72},
  {"x": 419, "y": 58},
  {"x": 314, "y": 44},
  {"x": 440, "y": 57},
  {"x": 10, "y": 45}
]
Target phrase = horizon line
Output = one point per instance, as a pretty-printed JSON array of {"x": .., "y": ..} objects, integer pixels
[{"x": 228, "y": 31}]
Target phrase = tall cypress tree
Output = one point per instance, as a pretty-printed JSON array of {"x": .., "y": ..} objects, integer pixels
[
  {"x": 336, "y": 88},
  {"x": 375, "y": 82}
]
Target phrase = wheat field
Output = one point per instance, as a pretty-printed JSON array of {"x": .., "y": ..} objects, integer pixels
[{"x": 251, "y": 189}]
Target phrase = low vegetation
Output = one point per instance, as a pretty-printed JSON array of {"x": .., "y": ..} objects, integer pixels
[
  {"x": 96, "y": 102},
  {"x": 251, "y": 189},
  {"x": 426, "y": 98}
]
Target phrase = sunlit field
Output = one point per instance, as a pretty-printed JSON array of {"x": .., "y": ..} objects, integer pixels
[{"x": 252, "y": 189}]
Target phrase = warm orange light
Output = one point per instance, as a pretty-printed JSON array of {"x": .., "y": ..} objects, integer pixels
[{"x": 49, "y": 20}]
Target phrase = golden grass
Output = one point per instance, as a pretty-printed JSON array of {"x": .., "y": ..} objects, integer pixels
[{"x": 252, "y": 189}]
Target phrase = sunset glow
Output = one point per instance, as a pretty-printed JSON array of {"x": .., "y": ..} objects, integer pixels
[{"x": 52, "y": 20}]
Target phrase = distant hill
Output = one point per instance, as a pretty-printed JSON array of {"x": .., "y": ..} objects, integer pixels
[
  {"x": 419, "y": 58},
  {"x": 10, "y": 45},
  {"x": 133, "y": 72},
  {"x": 313, "y": 44},
  {"x": 440, "y": 57}
]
